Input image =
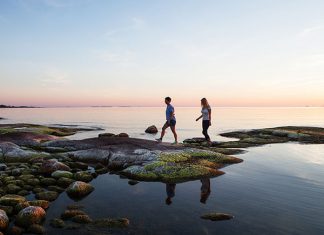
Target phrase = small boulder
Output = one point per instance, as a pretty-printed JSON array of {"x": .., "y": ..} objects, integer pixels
[
  {"x": 41, "y": 203},
  {"x": 151, "y": 130},
  {"x": 124, "y": 135},
  {"x": 47, "y": 195},
  {"x": 83, "y": 176},
  {"x": 49, "y": 166},
  {"x": 59, "y": 174},
  {"x": 4, "y": 220},
  {"x": 64, "y": 182},
  {"x": 11, "y": 200},
  {"x": 79, "y": 189},
  {"x": 30, "y": 215}
]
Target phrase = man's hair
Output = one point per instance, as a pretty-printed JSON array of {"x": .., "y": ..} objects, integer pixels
[{"x": 168, "y": 99}]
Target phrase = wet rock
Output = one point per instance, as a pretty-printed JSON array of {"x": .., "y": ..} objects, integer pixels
[
  {"x": 4, "y": 220},
  {"x": 64, "y": 182},
  {"x": 29, "y": 216},
  {"x": 49, "y": 166},
  {"x": 12, "y": 189},
  {"x": 217, "y": 216},
  {"x": 57, "y": 223},
  {"x": 83, "y": 176},
  {"x": 38, "y": 190},
  {"x": 112, "y": 223},
  {"x": 79, "y": 165},
  {"x": 47, "y": 196},
  {"x": 33, "y": 182},
  {"x": 11, "y": 200},
  {"x": 79, "y": 189},
  {"x": 101, "y": 171},
  {"x": 152, "y": 130},
  {"x": 68, "y": 214},
  {"x": 82, "y": 219},
  {"x": 41, "y": 203},
  {"x": 74, "y": 207},
  {"x": 58, "y": 174},
  {"x": 14, "y": 153},
  {"x": 36, "y": 229}
]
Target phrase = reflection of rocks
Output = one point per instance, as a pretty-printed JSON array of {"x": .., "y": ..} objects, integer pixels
[
  {"x": 217, "y": 216},
  {"x": 57, "y": 223},
  {"x": 152, "y": 130},
  {"x": 111, "y": 223}
]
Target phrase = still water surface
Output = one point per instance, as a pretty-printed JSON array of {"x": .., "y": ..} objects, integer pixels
[{"x": 278, "y": 189}]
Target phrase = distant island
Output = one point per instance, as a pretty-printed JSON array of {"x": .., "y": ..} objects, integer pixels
[{"x": 2, "y": 106}]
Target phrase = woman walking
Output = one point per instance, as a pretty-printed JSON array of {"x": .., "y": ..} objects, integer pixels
[{"x": 206, "y": 118}]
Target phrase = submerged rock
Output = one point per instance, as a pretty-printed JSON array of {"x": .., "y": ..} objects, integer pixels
[
  {"x": 112, "y": 223},
  {"x": 79, "y": 189},
  {"x": 41, "y": 203},
  {"x": 217, "y": 216},
  {"x": 83, "y": 176},
  {"x": 68, "y": 214},
  {"x": 82, "y": 219},
  {"x": 57, "y": 223},
  {"x": 30, "y": 215},
  {"x": 36, "y": 229}
]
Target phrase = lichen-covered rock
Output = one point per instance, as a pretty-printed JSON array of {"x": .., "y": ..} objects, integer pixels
[
  {"x": 83, "y": 176},
  {"x": 49, "y": 166},
  {"x": 57, "y": 223},
  {"x": 79, "y": 189},
  {"x": 4, "y": 220},
  {"x": 81, "y": 219},
  {"x": 11, "y": 200},
  {"x": 56, "y": 189},
  {"x": 151, "y": 130},
  {"x": 217, "y": 216},
  {"x": 47, "y": 195},
  {"x": 41, "y": 203},
  {"x": 30, "y": 215},
  {"x": 58, "y": 174},
  {"x": 112, "y": 223}
]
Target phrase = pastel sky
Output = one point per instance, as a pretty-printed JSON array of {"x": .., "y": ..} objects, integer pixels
[{"x": 101, "y": 52}]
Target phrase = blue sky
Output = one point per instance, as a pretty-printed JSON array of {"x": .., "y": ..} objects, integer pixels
[{"x": 235, "y": 53}]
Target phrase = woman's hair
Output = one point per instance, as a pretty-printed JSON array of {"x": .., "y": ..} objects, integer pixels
[{"x": 204, "y": 103}]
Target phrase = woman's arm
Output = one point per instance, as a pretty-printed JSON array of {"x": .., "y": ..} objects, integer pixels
[
  {"x": 199, "y": 117},
  {"x": 209, "y": 113}
]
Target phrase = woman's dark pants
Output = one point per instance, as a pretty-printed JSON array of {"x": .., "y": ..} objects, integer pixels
[{"x": 205, "y": 125}]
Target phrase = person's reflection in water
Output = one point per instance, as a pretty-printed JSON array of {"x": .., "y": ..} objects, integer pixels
[
  {"x": 205, "y": 190},
  {"x": 170, "y": 190}
]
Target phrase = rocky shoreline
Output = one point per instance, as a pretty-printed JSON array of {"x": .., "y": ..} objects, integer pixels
[{"x": 38, "y": 161}]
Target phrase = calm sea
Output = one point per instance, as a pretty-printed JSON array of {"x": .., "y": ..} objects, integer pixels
[{"x": 278, "y": 189}]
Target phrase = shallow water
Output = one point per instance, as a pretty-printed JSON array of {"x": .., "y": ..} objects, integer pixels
[{"x": 278, "y": 189}]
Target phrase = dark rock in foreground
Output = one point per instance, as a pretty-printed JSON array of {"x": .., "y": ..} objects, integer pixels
[{"x": 151, "y": 130}]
